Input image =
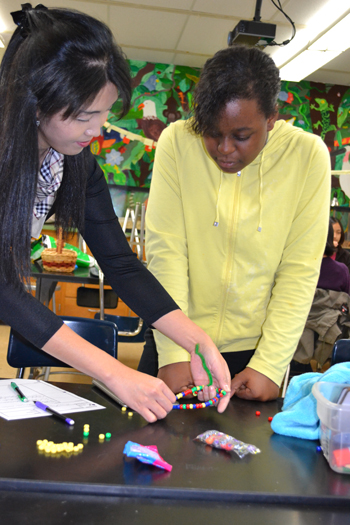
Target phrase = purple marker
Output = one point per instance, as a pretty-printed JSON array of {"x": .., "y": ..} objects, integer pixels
[{"x": 54, "y": 413}]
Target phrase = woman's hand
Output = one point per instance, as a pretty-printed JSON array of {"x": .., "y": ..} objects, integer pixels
[
  {"x": 147, "y": 395},
  {"x": 187, "y": 334},
  {"x": 219, "y": 371},
  {"x": 184, "y": 375}
]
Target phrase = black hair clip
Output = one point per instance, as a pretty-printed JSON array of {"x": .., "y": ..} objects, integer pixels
[{"x": 21, "y": 19}]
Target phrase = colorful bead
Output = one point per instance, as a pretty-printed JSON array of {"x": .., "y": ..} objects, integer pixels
[
  {"x": 257, "y": 413},
  {"x": 192, "y": 406},
  {"x": 270, "y": 419}
]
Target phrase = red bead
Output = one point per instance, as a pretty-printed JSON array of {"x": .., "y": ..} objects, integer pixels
[
  {"x": 257, "y": 413},
  {"x": 270, "y": 419}
]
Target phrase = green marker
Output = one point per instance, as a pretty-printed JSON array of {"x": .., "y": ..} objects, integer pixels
[
  {"x": 19, "y": 392},
  {"x": 204, "y": 365}
]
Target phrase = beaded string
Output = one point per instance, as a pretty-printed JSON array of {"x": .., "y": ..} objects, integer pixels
[{"x": 192, "y": 406}]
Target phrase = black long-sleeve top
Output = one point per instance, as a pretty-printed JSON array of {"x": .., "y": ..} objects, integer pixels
[{"x": 128, "y": 277}]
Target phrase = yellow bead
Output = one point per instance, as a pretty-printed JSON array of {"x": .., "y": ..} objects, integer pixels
[
  {"x": 80, "y": 446},
  {"x": 45, "y": 442},
  {"x": 101, "y": 436},
  {"x": 39, "y": 442},
  {"x": 191, "y": 406},
  {"x": 130, "y": 414},
  {"x": 123, "y": 409}
]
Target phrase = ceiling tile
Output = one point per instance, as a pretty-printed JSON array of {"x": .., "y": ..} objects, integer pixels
[
  {"x": 302, "y": 11},
  {"x": 330, "y": 77},
  {"x": 235, "y": 8},
  {"x": 146, "y": 28},
  {"x": 204, "y": 35},
  {"x": 178, "y": 4}
]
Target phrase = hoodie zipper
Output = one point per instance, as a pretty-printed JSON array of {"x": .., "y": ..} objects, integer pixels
[{"x": 231, "y": 249}]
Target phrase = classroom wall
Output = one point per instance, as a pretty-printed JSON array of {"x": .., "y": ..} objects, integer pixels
[{"x": 162, "y": 93}]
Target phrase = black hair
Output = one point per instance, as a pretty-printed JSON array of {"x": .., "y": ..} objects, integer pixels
[
  {"x": 334, "y": 220},
  {"x": 330, "y": 248},
  {"x": 238, "y": 72},
  {"x": 57, "y": 60}
]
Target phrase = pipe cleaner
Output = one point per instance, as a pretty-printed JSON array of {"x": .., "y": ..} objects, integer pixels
[{"x": 192, "y": 406}]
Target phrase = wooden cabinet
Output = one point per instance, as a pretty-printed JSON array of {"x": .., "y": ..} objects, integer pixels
[
  {"x": 66, "y": 293},
  {"x": 66, "y": 303}
]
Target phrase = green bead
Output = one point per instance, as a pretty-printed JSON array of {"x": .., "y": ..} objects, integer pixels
[{"x": 108, "y": 435}]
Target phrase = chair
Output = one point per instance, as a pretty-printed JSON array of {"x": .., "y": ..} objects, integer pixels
[
  {"x": 340, "y": 354},
  {"x": 22, "y": 354},
  {"x": 130, "y": 329},
  {"x": 341, "y": 351}
]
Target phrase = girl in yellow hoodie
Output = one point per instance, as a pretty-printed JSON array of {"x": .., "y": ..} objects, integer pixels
[{"x": 237, "y": 223}]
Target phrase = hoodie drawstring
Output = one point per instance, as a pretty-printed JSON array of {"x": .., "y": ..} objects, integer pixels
[
  {"x": 216, "y": 222},
  {"x": 260, "y": 191}
]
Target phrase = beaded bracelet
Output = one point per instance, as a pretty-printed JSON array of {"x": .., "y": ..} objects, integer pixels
[{"x": 194, "y": 391}]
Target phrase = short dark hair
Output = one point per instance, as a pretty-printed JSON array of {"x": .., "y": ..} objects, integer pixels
[
  {"x": 238, "y": 72},
  {"x": 57, "y": 60}
]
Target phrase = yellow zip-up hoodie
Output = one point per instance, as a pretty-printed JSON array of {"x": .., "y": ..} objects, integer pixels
[{"x": 250, "y": 280}]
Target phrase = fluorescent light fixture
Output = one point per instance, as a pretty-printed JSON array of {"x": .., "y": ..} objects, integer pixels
[
  {"x": 322, "y": 50},
  {"x": 336, "y": 38},
  {"x": 326, "y": 17},
  {"x": 306, "y": 63}
]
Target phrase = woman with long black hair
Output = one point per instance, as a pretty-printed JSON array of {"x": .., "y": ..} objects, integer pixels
[{"x": 59, "y": 77}]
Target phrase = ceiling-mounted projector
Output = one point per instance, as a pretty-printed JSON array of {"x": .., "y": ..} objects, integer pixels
[{"x": 252, "y": 33}]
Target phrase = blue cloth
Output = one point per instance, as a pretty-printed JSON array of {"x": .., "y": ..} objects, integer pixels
[{"x": 299, "y": 412}]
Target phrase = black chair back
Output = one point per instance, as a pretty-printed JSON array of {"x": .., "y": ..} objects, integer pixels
[
  {"x": 129, "y": 326},
  {"x": 103, "y": 334},
  {"x": 341, "y": 351}
]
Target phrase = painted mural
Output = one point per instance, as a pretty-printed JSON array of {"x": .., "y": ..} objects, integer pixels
[
  {"x": 324, "y": 109},
  {"x": 162, "y": 93}
]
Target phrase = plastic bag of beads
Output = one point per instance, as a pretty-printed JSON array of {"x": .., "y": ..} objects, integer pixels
[{"x": 217, "y": 439}]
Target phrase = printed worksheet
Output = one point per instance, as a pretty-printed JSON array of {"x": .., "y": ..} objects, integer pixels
[{"x": 12, "y": 408}]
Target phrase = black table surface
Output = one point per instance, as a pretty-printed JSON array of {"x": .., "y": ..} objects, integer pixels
[
  {"x": 80, "y": 275},
  {"x": 288, "y": 471}
]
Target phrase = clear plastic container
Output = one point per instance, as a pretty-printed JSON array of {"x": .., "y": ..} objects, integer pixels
[{"x": 333, "y": 409}]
